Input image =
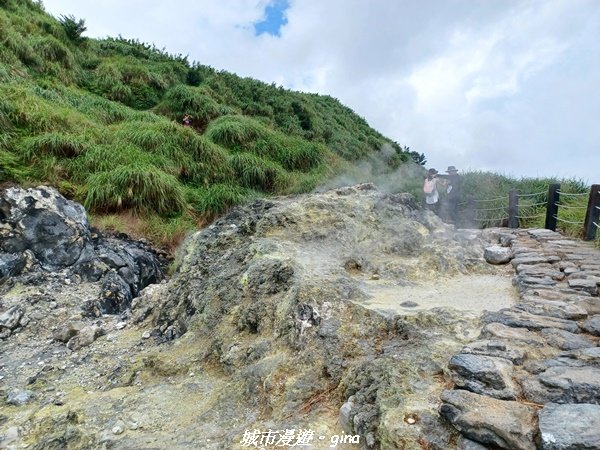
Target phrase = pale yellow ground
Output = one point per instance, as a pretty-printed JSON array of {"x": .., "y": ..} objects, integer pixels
[{"x": 473, "y": 293}]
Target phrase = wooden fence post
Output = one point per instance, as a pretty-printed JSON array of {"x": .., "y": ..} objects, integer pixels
[
  {"x": 471, "y": 212},
  {"x": 513, "y": 209},
  {"x": 592, "y": 215},
  {"x": 552, "y": 206}
]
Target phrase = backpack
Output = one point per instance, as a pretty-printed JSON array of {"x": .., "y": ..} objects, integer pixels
[{"x": 429, "y": 186}]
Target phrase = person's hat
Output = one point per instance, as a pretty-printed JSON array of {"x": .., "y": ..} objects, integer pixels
[
  {"x": 451, "y": 169},
  {"x": 432, "y": 171}
]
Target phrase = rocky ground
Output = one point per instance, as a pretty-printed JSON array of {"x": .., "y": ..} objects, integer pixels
[
  {"x": 533, "y": 378},
  {"x": 310, "y": 320}
]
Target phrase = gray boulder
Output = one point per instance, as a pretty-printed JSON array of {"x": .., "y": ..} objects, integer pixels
[
  {"x": 505, "y": 424},
  {"x": 55, "y": 229},
  {"x": 18, "y": 397},
  {"x": 592, "y": 325},
  {"x": 11, "y": 265},
  {"x": 497, "y": 255},
  {"x": 10, "y": 318},
  {"x": 570, "y": 426},
  {"x": 485, "y": 375},
  {"x": 41, "y": 225}
]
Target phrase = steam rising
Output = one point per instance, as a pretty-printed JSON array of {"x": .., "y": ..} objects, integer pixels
[{"x": 378, "y": 169}]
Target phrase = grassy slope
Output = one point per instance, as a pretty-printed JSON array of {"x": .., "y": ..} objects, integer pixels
[{"x": 99, "y": 119}]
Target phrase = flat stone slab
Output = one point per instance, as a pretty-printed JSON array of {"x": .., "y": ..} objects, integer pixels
[
  {"x": 543, "y": 233},
  {"x": 513, "y": 317},
  {"x": 505, "y": 424},
  {"x": 570, "y": 426},
  {"x": 499, "y": 348},
  {"x": 592, "y": 325},
  {"x": 564, "y": 340},
  {"x": 540, "y": 270},
  {"x": 551, "y": 308},
  {"x": 534, "y": 260},
  {"x": 500, "y": 331},
  {"x": 573, "y": 384},
  {"x": 585, "y": 284},
  {"x": 487, "y": 375},
  {"x": 526, "y": 281}
]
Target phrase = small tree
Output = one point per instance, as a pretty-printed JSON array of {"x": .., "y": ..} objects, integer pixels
[{"x": 73, "y": 28}]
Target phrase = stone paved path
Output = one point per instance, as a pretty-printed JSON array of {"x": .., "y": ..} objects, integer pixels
[{"x": 532, "y": 380}]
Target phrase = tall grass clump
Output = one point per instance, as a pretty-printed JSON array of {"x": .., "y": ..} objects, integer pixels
[
  {"x": 216, "y": 198},
  {"x": 236, "y": 132},
  {"x": 255, "y": 172},
  {"x": 181, "y": 100},
  {"x": 210, "y": 163},
  {"x": 56, "y": 144},
  {"x": 51, "y": 49},
  {"x": 11, "y": 168},
  {"x": 105, "y": 157},
  {"x": 137, "y": 187},
  {"x": 297, "y": 154},
  {"x": 34, "y": 114}
]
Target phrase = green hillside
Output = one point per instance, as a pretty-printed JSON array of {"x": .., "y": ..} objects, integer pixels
[{"x": 101, "y": 121}]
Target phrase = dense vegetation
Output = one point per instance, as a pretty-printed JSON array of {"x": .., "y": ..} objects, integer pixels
[
  {"x": 486, "y": 198},
  {"x": 101, "y": 121}
]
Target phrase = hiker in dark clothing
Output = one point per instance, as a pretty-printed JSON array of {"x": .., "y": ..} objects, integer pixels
[{"x": 453, "y": 190}]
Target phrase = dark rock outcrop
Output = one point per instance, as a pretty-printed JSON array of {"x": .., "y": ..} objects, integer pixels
[{"x": 45, "y": 236}]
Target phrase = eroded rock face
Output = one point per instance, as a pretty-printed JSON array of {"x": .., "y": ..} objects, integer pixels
[
  {"x": 46, "y": 237},
  {"x": 268, "y": 322},
  {"x": 284, "y": 280},
  {"x": 55, "y": 229}
]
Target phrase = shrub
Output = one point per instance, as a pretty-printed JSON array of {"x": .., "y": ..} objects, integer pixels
[
  {"x": 139, "y": 187},
  {"x": 73, "y": 28},
  {"x": 215, "y": 199},
  {"x": 182, "y": 99},
  {"x": 236, "y": 132},
  {"x": 51, "y": 49},
  {"x": 56, "y": 144},
  {"x": 257, "y": 173}
]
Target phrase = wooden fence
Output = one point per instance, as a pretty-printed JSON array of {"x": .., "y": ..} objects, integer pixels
[{"x": 510, "y": 216}]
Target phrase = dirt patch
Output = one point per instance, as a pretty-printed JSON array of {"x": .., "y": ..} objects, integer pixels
[{"x": 475, "y": 293}]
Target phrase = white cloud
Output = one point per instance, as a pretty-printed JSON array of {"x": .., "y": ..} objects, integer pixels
[{"x": 503, "y": 85}]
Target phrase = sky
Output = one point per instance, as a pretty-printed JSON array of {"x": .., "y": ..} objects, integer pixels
[{"x": 510, "y": 86}]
